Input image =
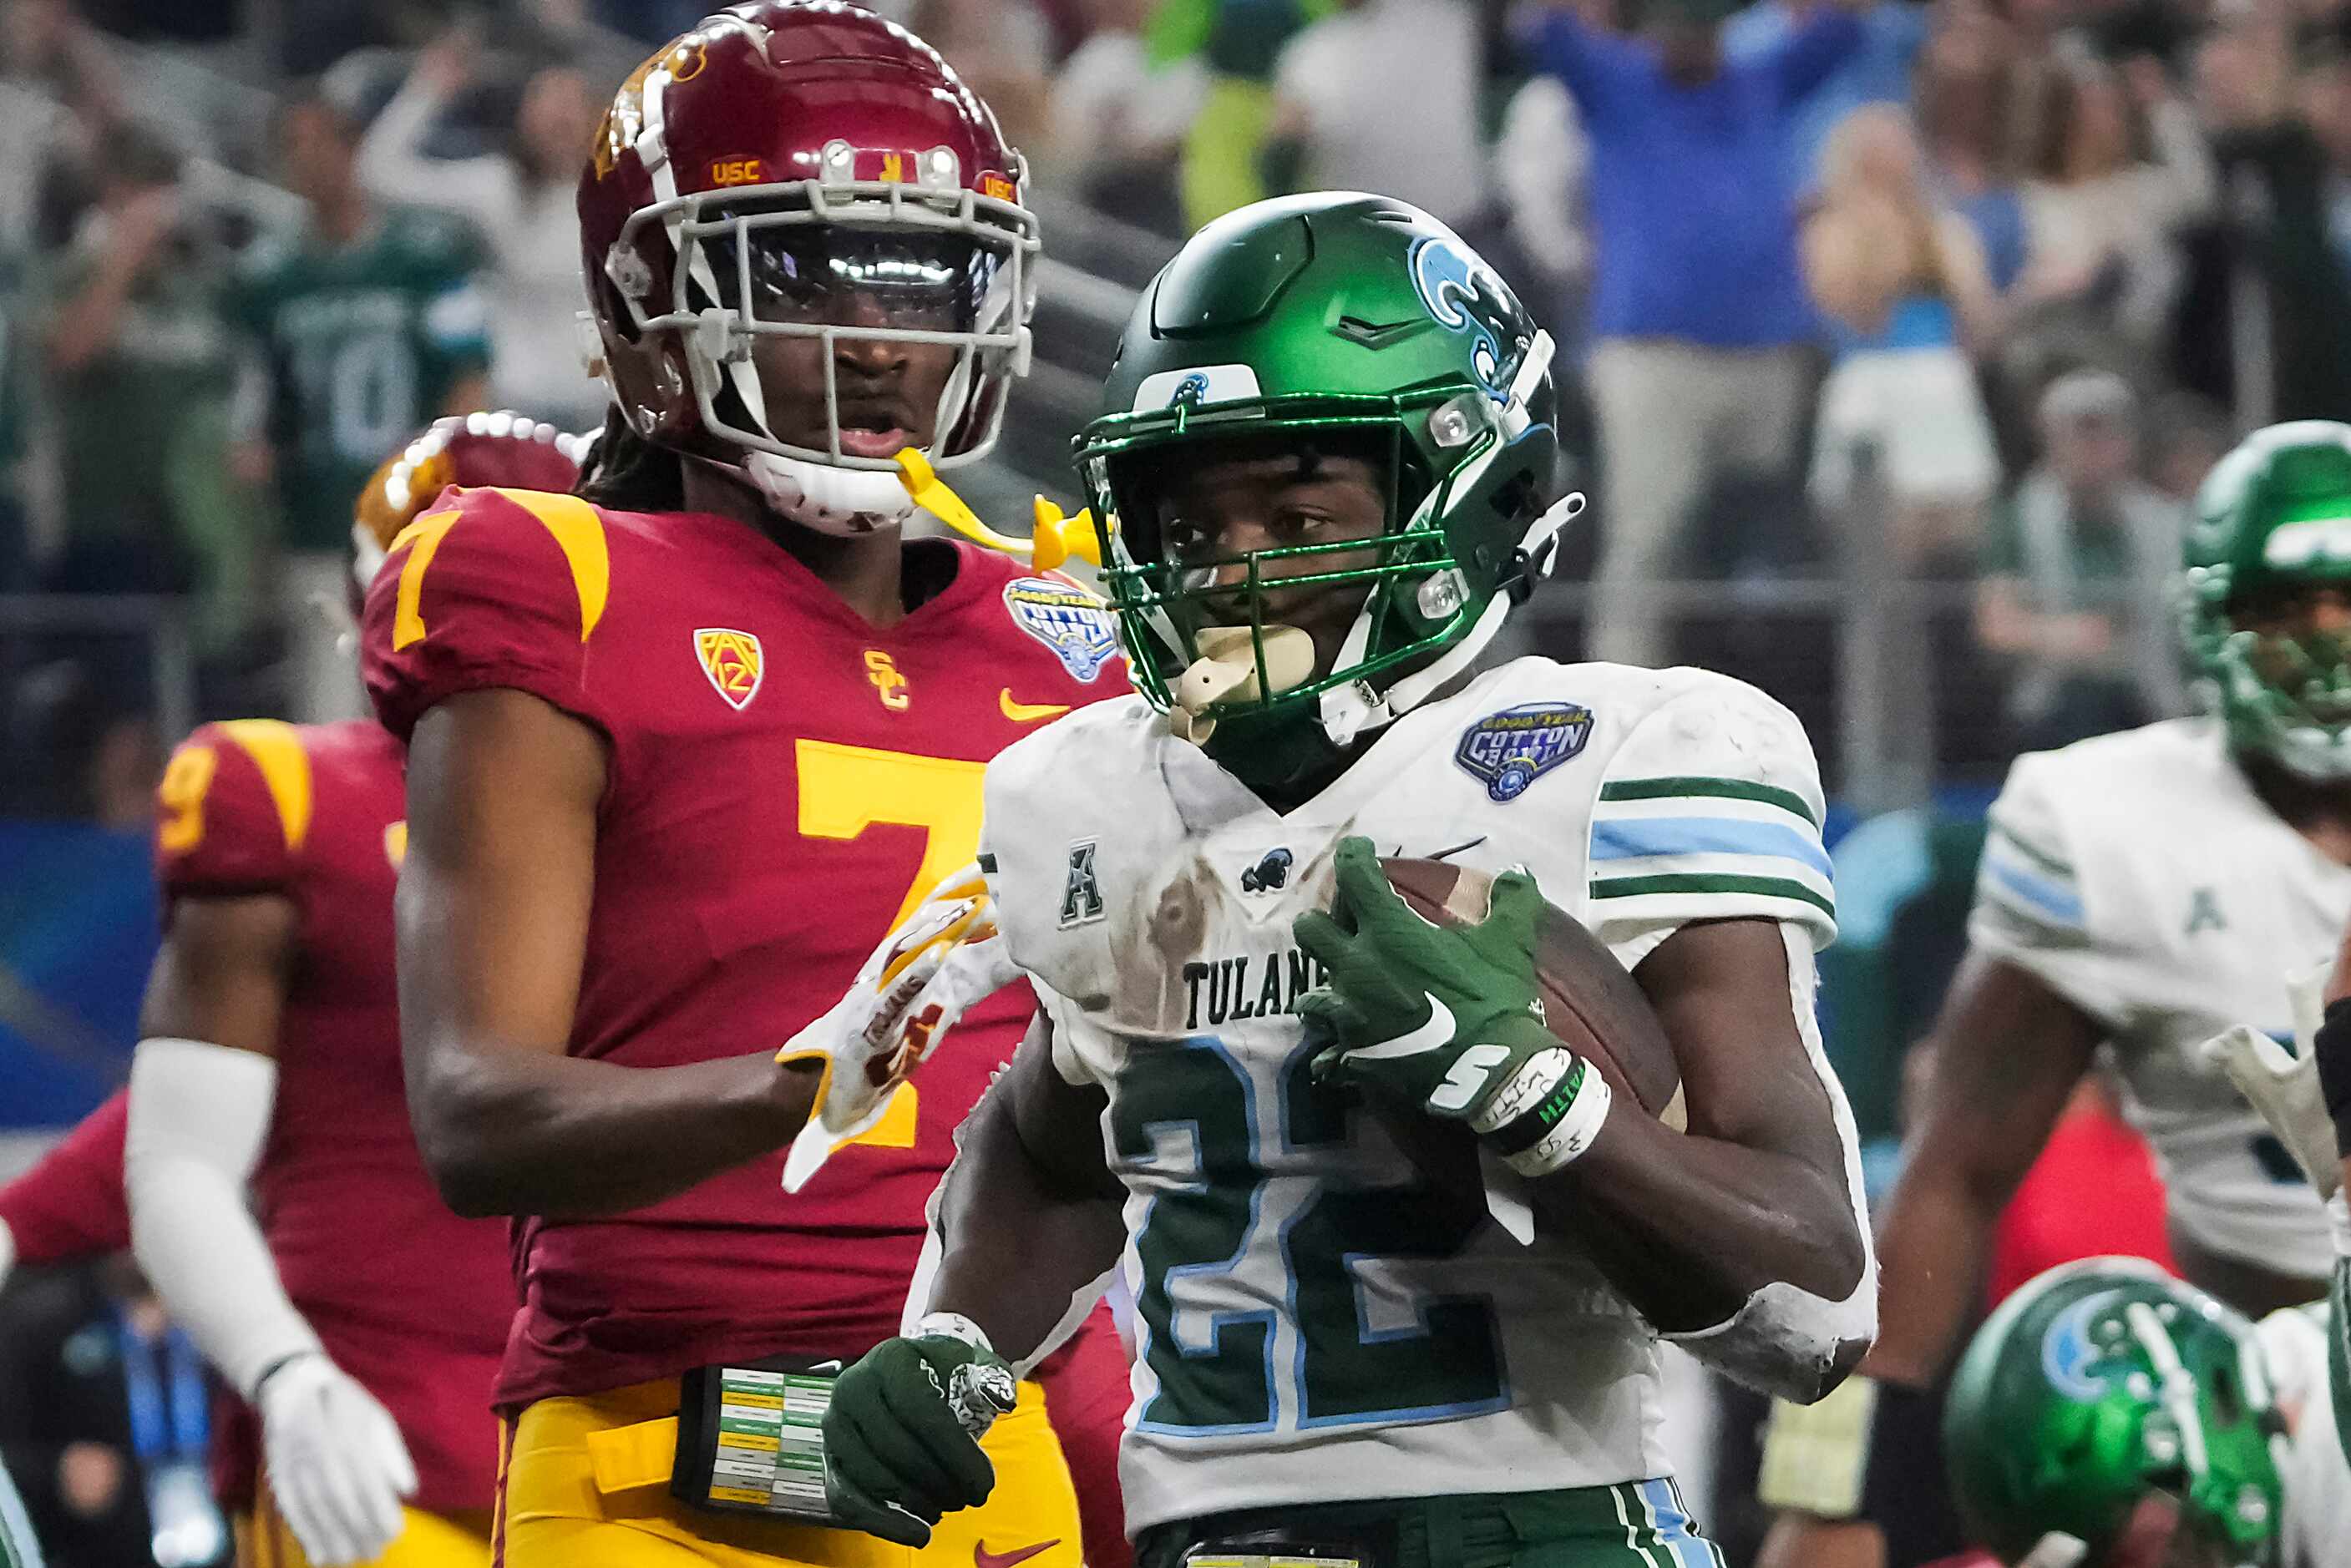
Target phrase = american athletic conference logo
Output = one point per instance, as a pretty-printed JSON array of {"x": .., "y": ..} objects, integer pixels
[
  {"x": 1066, "y": 618},
  {"x": 1510, "y": 750}
]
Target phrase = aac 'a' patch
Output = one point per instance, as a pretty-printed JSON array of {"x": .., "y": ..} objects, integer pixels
[
  {"x": 1066, "y": 618},
  {"x": 1508, "y": 751}
]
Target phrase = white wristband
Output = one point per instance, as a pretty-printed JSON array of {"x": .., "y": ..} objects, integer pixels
[
  {"x": 953, "y": 1326},
  {"x": 1535, "y": 1078},
  {"x": 1573, "y": 1132}
]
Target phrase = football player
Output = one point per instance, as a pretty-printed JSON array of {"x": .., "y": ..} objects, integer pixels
[
  {"x": 69, "y": 1204},
  {"x": 2139, "y": 893},
  {"x": 345, "y": 1303},
  {"x": 684, "y": 746},
  {"x": 2109, "y": 1416},
  {"x": 1400, "y": 1273}
]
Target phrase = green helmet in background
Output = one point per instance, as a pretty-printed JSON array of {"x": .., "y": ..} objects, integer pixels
[
  {"x": 2099, "y": 1382},
  {"x": 1356, "y": 323},
  {"x": 2274, "y": 516}
]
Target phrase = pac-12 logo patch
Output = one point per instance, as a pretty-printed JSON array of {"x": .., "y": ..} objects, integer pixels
[
  {"x": 1066, "y": 618},
  {"x": 733, "y": 661},
  {"x": 1511, "y": 749}
]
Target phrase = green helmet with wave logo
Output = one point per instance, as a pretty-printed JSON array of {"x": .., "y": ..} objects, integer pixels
[
  {"x": 2274, "y": 516},
  {"x": 1333, "y": 317},
  {"x": 2099, "y": 1382}
]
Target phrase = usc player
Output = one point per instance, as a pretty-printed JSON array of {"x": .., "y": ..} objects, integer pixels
[
  {"x": 683, "y": 745},
  {"x": 346, "y": 1305}
]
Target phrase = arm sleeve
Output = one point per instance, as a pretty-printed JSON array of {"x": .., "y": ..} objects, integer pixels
[
  {"x": 69, "y": 1205},
  {"x": 1710, "y": 810},
  {"x": 394, "y": 168},
  {"x": 492, "y": 589},
  {"x": 1592, "y": 64},
  {"x": 233, "y": 811},
  {"x": 1813, "y": 51},
  {"x": 2031, "y": 908}
]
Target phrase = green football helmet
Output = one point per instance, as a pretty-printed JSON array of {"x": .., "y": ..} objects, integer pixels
[
  {"x": 2101, "y": 1382},
  {"x": 2274, "y": 516},
  {"x": 1331, "y": 320}
]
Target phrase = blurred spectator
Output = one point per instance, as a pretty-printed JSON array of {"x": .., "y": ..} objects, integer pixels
[
  {"x": 520, "y": 203},
  {"x": 58, "y": 90},
  {"x": 103, "y": 1424},
  {"x": 366, "y": 328},
  {"x": 1697, "y": 307},
  {"x": 1342, "y": 88},
  {"x": 1879, "y": 71},
  {"x": 1542, "y": 164},
  {"x": 1003, "y": 48},
  {"x": 2120, "y": 168},
  {"x": 2185, "y": 435},
  {"x": 1903, "y": 285},
  {"x": 2077, "y": 573},
  {"x": 1119, "y": 120},
  {"x": 1966, "y": 105},
  {"x": 139, "y": 372},
  {"x": 1237, "y": 43}
]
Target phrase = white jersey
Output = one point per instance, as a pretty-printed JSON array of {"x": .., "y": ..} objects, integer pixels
[
  {"x": 2139, "y": 875},
  {"x": 1317, "y": 1320},
  {"x": 2317, "y": 1476}
]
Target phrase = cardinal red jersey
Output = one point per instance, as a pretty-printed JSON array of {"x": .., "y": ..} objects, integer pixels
[
  {"x": 785, "y": 780},
  {"x": 407, "y": 1298},
  {"x": 68, "y": 1208}
]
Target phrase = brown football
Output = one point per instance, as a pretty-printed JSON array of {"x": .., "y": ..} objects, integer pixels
[{"x": 1589, "y": 1001}]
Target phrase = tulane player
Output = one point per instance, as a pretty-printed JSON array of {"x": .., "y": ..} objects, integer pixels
[
  {"x": 1325, "y": 475},
  {"x": 2141, "y": 893},
  {"x": 2111, "y": 1416}
]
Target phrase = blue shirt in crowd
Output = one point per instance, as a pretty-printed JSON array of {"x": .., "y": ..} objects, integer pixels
[
  {"x": 1692, "y": 209},
  {"x": 1878, "y": 71}
]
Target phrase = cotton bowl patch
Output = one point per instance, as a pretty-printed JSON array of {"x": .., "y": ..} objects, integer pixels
[
  {"x": 1071, "y": 621},
  {"x": 1510, "y": 750}
]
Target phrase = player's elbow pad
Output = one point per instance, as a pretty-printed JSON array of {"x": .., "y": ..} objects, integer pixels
[{"x": 1789, "y": 1343}]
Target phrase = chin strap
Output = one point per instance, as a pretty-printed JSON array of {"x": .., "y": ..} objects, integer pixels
[
  {"x": 1348, "y": 710},
  {"x": 845, "y": 502}
]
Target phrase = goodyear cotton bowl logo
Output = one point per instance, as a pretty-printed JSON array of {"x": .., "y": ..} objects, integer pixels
[
  {"x": 733, "y": 661},
  {"x": 1467, "y": 296},
  {"x": 1066, "y": 618},
  {"x": 1511, "y": 749}
]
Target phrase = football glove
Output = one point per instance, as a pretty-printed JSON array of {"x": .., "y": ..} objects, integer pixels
[
  {"x": 335, "y": 1461},
  {"x": 939, "y": 960},
  {"x": 2283, "y": 1086},
  {"x": 1448, "y": 1018},
  {"x": 902, "y": 1434}
]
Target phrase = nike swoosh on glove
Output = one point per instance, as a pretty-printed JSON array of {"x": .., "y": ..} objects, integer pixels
[
  {"x": 335, "y": 1462},
  {"x": 939, "y": 960},
  {"x": 902, "y": 1433},
  {"x": 1446, "y": 1017}
]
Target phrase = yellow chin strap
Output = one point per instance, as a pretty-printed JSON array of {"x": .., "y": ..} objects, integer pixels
[{"x": 1058, "y": 537}]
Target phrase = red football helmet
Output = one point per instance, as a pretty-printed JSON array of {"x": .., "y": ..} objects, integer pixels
[
  {"x": 468, "y": 449},
  {"x": 805, "y": 170}
]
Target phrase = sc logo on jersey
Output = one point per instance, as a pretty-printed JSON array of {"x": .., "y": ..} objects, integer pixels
[
  {"x": 1510, "y": 750},
  {"x": 1071, "y": 621}
]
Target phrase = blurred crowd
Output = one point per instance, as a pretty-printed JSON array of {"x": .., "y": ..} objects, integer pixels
[{"x": 1959, "y": 294}]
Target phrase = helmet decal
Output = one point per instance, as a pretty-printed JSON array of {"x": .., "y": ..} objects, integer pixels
[
  {"x": 1466, "y": 294},
  {"x": 1189, "y": 389},
  {"x": 2066, "y": 1354}
]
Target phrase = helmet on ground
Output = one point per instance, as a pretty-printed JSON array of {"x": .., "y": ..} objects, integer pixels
[
  {"x": 804, "y": 171},
  {"x": 1346, "y": 321},
  {"x": 2098, "y": 1383},
  {"x": 2274, "y": 517}
]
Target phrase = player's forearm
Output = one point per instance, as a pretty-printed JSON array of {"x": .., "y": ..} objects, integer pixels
[
  {"x": 1934, "y": 1240},
  {"x": 1688, "y": 1227},
  {"x": 1069, "y": 1235},
  {"x": 509, "y": 1130}
]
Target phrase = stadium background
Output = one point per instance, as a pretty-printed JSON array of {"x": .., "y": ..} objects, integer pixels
[{"x": 2054, "y": 254}]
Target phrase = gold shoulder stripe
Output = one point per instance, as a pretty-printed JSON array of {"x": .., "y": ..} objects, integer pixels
[
  {"x": 580, "y": 533},
  {"x": 426, "y": 533},
  {"x": 275, "y": 749}
]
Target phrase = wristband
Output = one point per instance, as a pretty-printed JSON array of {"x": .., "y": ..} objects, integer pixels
[
  {"x": 2333, "y": 1049},
  {"x": 253, "y": 1395},
  {"x": 1555, "y": 1131},
  {"x": 953, "y": 1325}
]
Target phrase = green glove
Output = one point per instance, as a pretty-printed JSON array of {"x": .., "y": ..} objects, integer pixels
[
  {"x": 1448, "y": 1018},
  {"x": 901, "y": 1434}
]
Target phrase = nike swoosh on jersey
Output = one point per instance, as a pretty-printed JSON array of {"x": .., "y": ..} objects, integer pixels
[
  {"x": 1435, "y": 1032},
  {"x": 1028, "y": 713},
  {"x": 983, "y": 1558}
]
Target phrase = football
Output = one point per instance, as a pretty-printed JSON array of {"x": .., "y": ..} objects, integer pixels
[{"x": 1589, "y": 999}]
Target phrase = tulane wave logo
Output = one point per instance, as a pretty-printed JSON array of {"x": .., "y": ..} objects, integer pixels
[{"x": 1466, "y": 294}]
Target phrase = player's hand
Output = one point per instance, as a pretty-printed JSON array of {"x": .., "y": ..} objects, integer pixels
[
  {"x": 901, "y": 1434},
  {"x": 2283, "y": 1086},
  {"x": 940, "y": 960},
  {"x": 336, "y": 1464},
  {"x": 1445, "y": 1017}
]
